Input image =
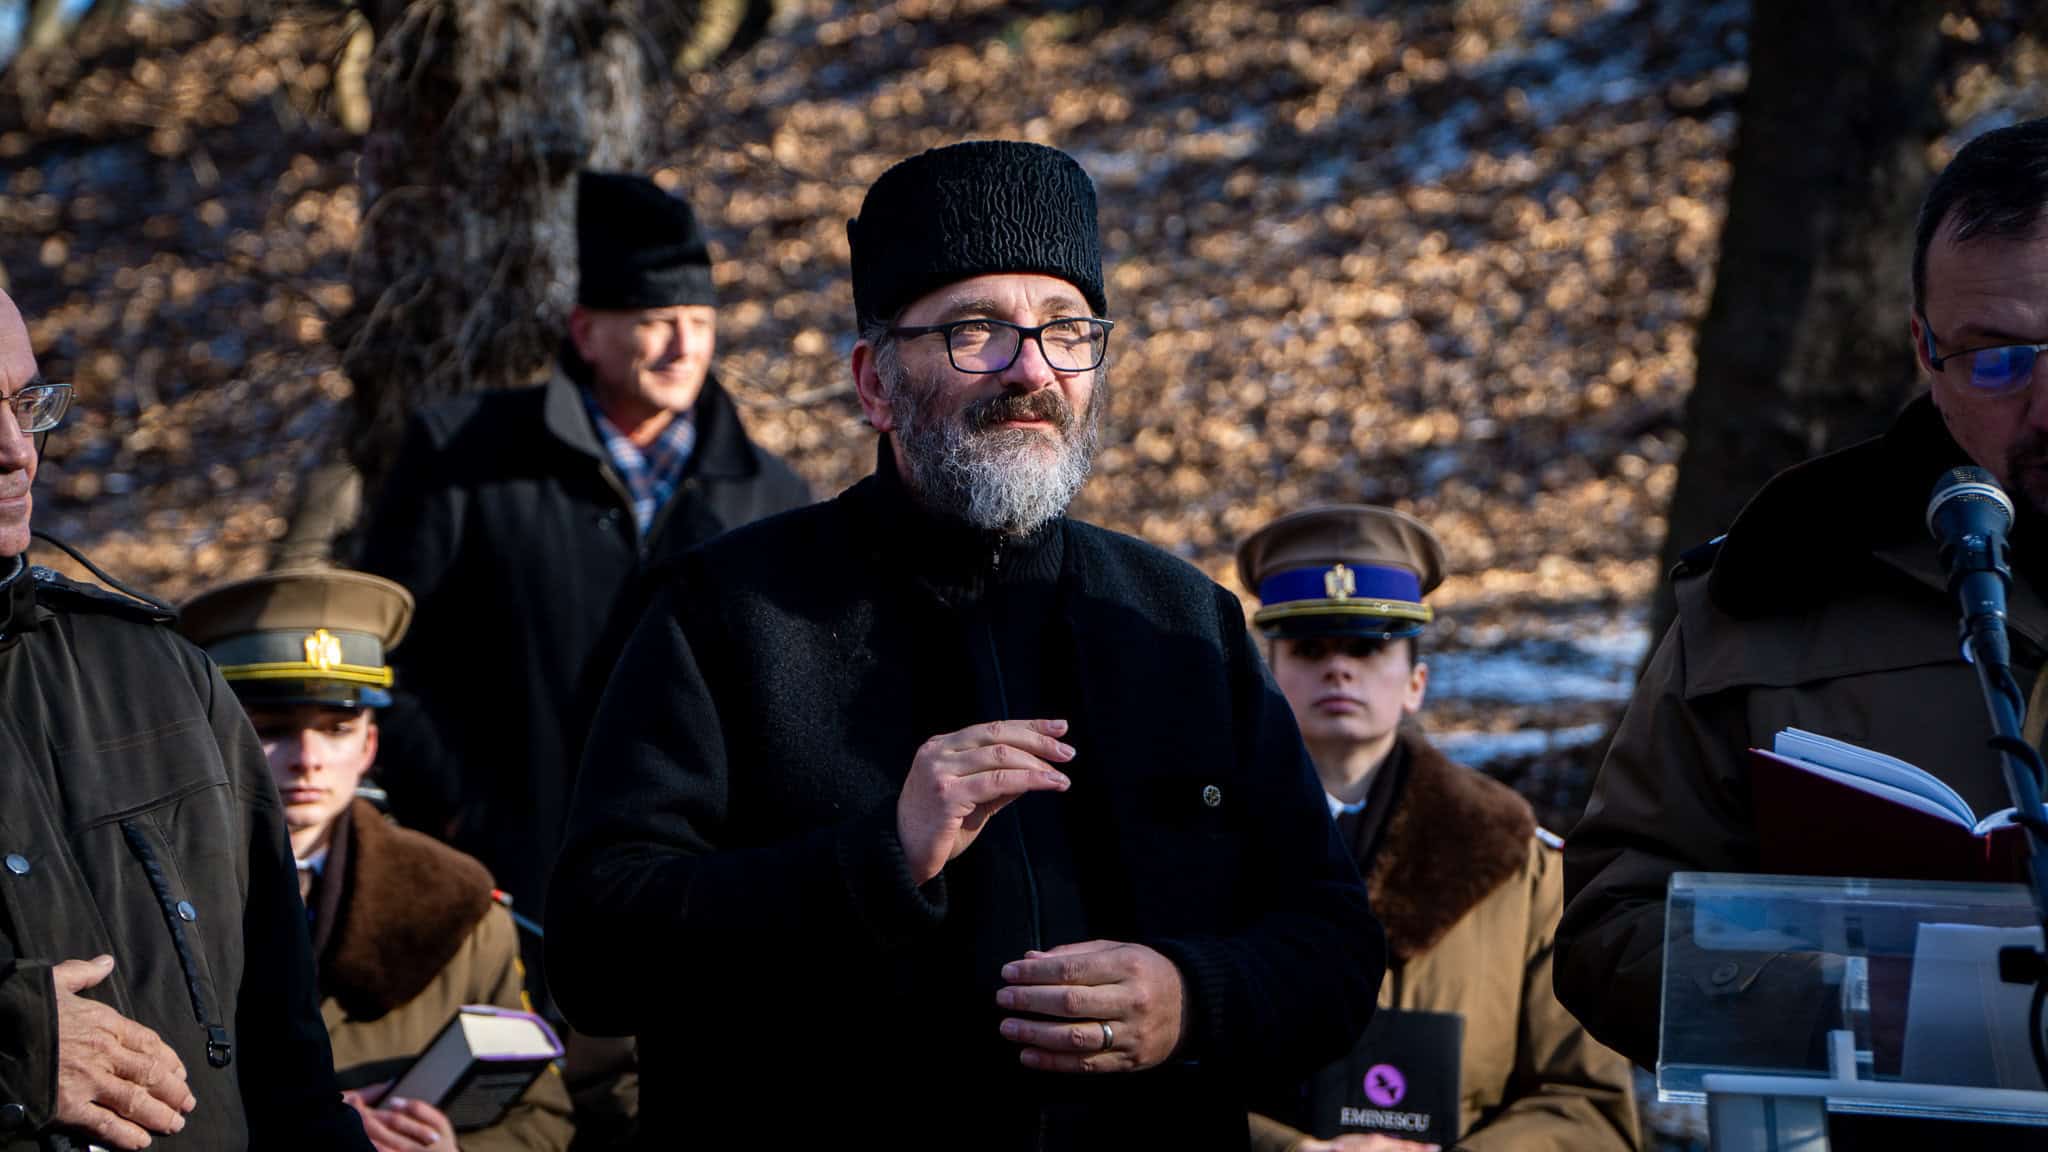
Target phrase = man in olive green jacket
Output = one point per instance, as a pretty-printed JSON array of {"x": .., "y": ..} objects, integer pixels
[{"x": 156, "y": 986}]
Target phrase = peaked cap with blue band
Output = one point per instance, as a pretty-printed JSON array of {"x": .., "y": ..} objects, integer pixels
[
  {"x": 1342, "y": 570},
  {"x": 637, "y": 247},
  {"x": 302, "y": 636},
  {"x": 980, "y": 208}
]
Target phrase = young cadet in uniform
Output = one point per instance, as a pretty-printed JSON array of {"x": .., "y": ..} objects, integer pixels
[
  {"x": 1466, "y": 884},
  {"x": 405, "y": 929}
]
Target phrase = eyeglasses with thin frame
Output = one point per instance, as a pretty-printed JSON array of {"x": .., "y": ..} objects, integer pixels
[
  {"x": 1994, "y": 369},
  {"x": 39, "y": 407},
  {"x": 983, "y": 346}
]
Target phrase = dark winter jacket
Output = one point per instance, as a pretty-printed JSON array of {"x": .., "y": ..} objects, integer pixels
[
  {"x": 506, "y": 520},
  {"x": 1825, "y": 609},
  {"x": 136, "y": 809},
  {"x": 732, "y": 887}
]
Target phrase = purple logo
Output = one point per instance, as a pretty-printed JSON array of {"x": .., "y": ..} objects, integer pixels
[{"x": 1384, "y": 1085}]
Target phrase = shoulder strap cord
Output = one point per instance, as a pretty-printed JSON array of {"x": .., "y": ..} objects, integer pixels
[
  {"x": 219, "y": 1050},
  {"x": 100, "y": 574}
]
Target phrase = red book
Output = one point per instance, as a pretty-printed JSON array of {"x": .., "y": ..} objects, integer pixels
[{"x": 1824, "y": 807}]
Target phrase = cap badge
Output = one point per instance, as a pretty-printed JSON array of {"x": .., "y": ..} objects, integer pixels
[
  {"x": 323, "y": 649},
  {"x": 1340, "y": 583}
]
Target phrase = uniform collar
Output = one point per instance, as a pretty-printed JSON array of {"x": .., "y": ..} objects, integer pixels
[
  {"x": 1453, "y": 837},
  {"x": 394, "y": 908}
]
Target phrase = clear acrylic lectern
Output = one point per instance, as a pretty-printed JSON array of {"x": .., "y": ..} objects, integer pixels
[{"x": 1787, "y": 998}]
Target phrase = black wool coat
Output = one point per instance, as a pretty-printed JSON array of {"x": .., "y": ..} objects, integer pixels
[
  {"x": 506, "y": 520},
  {"x": 733, "y": 890},
  {"x": 138, "y": 819}
]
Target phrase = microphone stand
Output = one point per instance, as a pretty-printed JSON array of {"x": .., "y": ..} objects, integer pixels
[{"x": 1987, "y": 648}]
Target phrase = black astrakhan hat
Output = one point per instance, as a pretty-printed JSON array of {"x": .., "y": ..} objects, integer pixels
[
  {"x": 987, "y": 206},
  {"x": 637, "y": 246}
]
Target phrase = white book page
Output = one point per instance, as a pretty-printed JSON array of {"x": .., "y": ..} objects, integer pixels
[
  {"x": 1998, "y": 819},
  {"x": 1846, "y": 759},
  {"x": 1877, "y": 788},
  {"x": 503, "y": 1036}
]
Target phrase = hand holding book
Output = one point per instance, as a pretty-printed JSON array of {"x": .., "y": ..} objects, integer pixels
[{"x": 394, "y": 1124}]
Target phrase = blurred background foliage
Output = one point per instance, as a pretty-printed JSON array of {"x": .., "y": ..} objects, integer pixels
[{"x": 1459, "y": 257}]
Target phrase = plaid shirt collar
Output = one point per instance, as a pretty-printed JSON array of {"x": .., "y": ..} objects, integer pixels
[{"x": 653, "y": 473}]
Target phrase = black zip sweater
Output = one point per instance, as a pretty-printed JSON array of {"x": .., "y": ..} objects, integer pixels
[
  {"x": 1044, "y": 872},
  {"x": 733, "y": 891}
]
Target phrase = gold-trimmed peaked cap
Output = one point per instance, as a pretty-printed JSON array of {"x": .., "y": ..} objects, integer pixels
[
  {"x": 1342, "y": 570},
  {"x": 302, "y": 636}
]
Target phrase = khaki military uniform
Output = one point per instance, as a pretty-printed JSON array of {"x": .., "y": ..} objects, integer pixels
[
  {"x": 1469, "y": 893},
  {"x": 408, "y": 933}
]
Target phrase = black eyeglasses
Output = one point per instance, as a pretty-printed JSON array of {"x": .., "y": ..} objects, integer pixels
[
  {"x": 1996, "y": 369},
  {"x": 983, "y": 346},
  {"x": 39, "y": 407}
]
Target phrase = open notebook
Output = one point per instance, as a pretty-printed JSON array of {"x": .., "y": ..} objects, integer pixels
[{"x": 1825, "y": 807}]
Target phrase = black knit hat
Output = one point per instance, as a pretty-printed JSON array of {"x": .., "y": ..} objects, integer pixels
[
  {"x": 637, "y": 246},
  {"x": 987, "y": 206}
]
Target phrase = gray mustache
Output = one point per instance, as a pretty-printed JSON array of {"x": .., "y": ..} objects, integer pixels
[{"x": 1044, "y": 404}]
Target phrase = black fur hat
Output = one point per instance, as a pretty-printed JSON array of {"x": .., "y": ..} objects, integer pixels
[{"x": 987, "y": 206}]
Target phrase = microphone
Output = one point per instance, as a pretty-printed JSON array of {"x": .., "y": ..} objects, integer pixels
[{"x": 1969, "y": 515}]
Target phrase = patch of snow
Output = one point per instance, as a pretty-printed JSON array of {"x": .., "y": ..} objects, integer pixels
[
  {"x": 1594, "y": 668},
  {"x": 1477, "y": 748}
]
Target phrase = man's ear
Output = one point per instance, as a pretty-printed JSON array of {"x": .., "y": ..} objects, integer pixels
[
  {"x": 867, "y": 384},
  {"x": 1923, "y": 344},
  {"x": 1418, "y": 686},
  {"x": 579, "y": 330}
]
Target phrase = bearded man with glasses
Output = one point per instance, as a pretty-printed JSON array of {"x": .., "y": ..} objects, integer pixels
[
  {"x": 1825, "y": 607},
  {"x": 155, "y": 977},
  {"x": 962, "y": 822}
]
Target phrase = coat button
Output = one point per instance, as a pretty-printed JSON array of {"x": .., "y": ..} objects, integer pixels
[
  {"x": 17, "y": 863},
  {"x": 1212, "y": 796},
  {"x": 1725, "y": 971},
  {"x": 187, "y": 912},
  {"x": 12, "y": 1116}
]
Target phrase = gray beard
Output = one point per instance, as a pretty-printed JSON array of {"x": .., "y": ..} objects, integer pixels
[{"x": 997, "y": 480}]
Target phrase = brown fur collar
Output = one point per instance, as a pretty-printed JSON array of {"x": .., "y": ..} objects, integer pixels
[
  {"x": 409, "y": 904},
  {"x": 1453, "y": 837}
]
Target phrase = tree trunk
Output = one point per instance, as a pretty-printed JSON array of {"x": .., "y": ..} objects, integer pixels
[
  {"x": 481, "y": 113},
  {"x": 1804, "y": 346},
  {"x": 43, "y": 27}
]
